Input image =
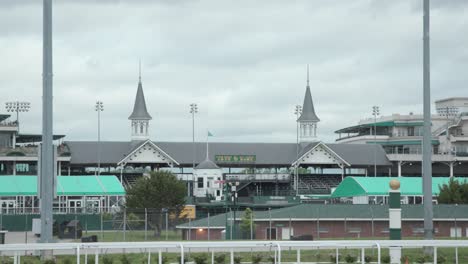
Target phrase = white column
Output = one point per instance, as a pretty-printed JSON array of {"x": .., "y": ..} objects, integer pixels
[
  {"x": 14, "y": 167},
  {"x": 399, "y": 168},
  {"x": 59, "y": 173},
  {"x": 451, "y": 169}
]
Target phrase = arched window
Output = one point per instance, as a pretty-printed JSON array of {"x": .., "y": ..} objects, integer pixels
[{"x": 141, "y": 127}]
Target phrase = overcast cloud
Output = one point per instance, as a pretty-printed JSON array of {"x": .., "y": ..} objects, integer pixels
[{"x": 242, "y": 62}]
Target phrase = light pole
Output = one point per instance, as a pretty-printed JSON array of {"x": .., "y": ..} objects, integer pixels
[
  {"x": 193, "y": 111},
  {"x": 17, "y": 107},
  {"x": 99, "y": 107},
  {"x": 298, "y": 113},
  {"x": 375, "y": 112},
  {"x": 426, "y": 144}
]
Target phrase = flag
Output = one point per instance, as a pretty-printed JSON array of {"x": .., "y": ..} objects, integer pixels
[{"x": 209, "y": 134}]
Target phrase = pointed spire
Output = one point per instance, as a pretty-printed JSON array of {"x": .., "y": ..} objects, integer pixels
[
  {"x": 139, "y": 108},
  {"x": 308, "y": 111}
]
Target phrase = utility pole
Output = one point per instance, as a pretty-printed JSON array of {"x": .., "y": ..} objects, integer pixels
[
  {"x": 298, "y": 113},
  {"x": 193, "y": 111},
  {"x": 99, "y": 109},
  {"x": 427, "y": 135},
  {"x": 375, "y": 112},
  {"x": 47, "y": 160}
]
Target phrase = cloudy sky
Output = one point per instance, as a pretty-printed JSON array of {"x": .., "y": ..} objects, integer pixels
[{"x": 242, "y": 62}]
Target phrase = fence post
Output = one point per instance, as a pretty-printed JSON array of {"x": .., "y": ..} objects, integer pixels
[
  {"x": 167, "y": 225},
  {"x": 208, "y": 225},
  {"x": 232, "y": 256},
  {"x": 77, "y": 254},
  {"x": 337, "y": 256},
  {"x": 362, "y": 255},
  {"x": 146, "y": 224},
  {"x": 456, "y": 255},
  {"x": 298, "y": 256},
  {"x": 102, "y": 227},
  {"x": 435, "y": 253},
  {"x": 125, "y": 225},
  {"x": 251, "y": 225},
  {"x": 160, "y": 261},
  {"x": 149, "y": 256},
  {"x": 212, "y": 257},
  {"x": 96, "y": 257}
]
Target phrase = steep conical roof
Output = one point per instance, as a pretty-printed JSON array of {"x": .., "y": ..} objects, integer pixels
[
  {"x": 308, "y": 111},
  {"x": 139, "y": 109}
]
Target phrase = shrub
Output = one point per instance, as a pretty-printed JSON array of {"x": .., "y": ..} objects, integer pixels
[
  {"x": 333, "y": 258},
  {"x": 91, "y": 258},
  {"x": 107, "y": 260},
  {"x": 350, "y": 259},
  {"x": 124, "y": 259},
  {"x": 220, "y": 259},
  {"x": 237, "y": 259},
  {"x": 421, "y": 259},
  {"x": 271, "y": 259},
  {"x": 67, "y": 261},
  {"x": 200, "y": 259},
  {"x": 404, "y": 258},
  {"x": 367, "y": 259},
  {"x": 49, "y": 261},
  {"x": 256, "y": 258},
  {"x": 441, "y": 259},
  {"x": 386, "y": 259}
]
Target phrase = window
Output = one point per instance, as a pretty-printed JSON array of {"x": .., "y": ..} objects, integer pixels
[
  {"x": 455, "y": 232},
  {"x": 411, "y": 131},
  {"x": 200, "y": 182},
  {"x": 218, "y": 193}
]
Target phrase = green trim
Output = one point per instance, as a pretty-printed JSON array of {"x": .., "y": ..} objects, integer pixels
[
  {"x": 394, "y": 200},
  {"x": 395, "y": 234},
  {"x": 356, "y": 128}
]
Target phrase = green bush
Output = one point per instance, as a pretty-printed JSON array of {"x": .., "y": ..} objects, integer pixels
[
  {"x": 367, "y": 259},
  {"x": 386, "y": 259},
  {"x": 124, "y": 260},
  {"x": 333, "y": 258},
  {"x": 200, "y": 259},
  {"x": 67, "y": 261},
  {"x": 107, "y": 260},
  {"x": 441, "y": 259},
  {"x": 256, "y": 258},
  {"x": 49, "y": 261},
  {"x": 220, "y": 259},
  {"x": 421, "y": 259},
  {"x": 350, "y": 259},
  {"x": 91, "y": 258},
  {"x": 237, "y": 259}
]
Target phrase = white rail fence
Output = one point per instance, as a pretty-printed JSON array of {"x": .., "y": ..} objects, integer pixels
[{"x": 80, "y": 249}]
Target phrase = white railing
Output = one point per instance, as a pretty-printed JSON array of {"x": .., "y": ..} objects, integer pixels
[{"x": 79, "y": 249}]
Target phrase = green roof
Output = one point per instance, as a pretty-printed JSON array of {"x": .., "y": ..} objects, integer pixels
[
  {"x": 324, "y": 212},
  {"x": 11, "y": 185},
  {"x": 363, "y": 186}
]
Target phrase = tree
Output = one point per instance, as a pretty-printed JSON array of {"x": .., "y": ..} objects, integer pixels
[
  {"x": 160, "y": 191},
  {"x": 455, "y": 192},
  {"x": 246, "y": 222}
]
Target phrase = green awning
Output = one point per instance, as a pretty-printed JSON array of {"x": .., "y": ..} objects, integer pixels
[
  {"x": 89, "y": 185},
  {"x": 355, "y": 129},
  {"x": 369, "y": 186},
  {"x": 402, "y": 142}
]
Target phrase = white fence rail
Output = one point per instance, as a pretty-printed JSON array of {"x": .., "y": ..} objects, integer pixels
[{"x": 79, "y": 249}]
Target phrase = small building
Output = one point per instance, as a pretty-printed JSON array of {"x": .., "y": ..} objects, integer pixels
[
  {"x": 334, "y": 221},
  {"x": 75, "y": 194},
  {"x": 370, "y": 190}
]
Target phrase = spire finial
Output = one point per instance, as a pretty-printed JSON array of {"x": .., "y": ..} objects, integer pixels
[
  {"x": 139, "y": 71},
  {"x": 307, "y": 74}
]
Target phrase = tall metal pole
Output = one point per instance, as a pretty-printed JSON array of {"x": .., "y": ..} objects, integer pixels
[
  {"x": 296, "y": 170},
  {"x": 427, "y": 146},
  {"x": 99, "y": 109},
  {"x": 47, "y": 160},
  {"x": 375, "y": 112},
  {"x": 193, "y": 111}
]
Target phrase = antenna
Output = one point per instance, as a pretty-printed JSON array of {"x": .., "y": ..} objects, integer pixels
[{"x": 139, "y": 71}]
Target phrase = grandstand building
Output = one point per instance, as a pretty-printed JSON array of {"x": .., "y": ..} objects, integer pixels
[
  {"x": 401, "y": 137},
  {"x": 262, "y": 173}
]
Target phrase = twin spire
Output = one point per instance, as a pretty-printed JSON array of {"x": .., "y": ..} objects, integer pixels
[
  {"x": 140, "y": 112},
  {"x": 308, "y": 111}
]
